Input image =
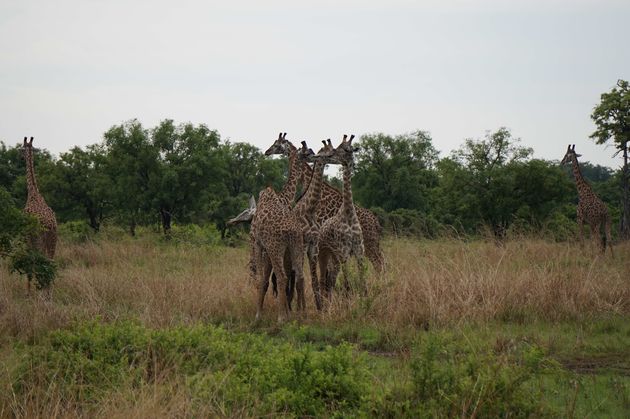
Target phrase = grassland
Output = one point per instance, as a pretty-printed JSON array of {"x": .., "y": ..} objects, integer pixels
[{"x": 147, "y": 328}]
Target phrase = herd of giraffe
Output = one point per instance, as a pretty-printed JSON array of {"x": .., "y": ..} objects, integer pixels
[{"x": 324, "y": 224}]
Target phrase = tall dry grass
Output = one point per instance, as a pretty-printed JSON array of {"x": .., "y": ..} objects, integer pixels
[{"x": 427, "y": 283}]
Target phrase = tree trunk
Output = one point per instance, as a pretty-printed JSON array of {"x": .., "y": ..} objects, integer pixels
[
  {"x": 166, "y": 222},
  {"x": 132, "y": 227},
  {"x": 624, "y": 224},
  {"x": 94, "y": 222}
]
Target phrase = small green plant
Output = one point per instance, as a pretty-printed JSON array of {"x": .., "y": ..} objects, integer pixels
[{"x": 466, "y": 381}]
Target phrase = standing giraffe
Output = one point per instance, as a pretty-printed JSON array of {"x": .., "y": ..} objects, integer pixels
[
  {"x": 278, "y": 232},
  {"x": 46, "y": 240},
  {"x": 331, "y": 201},
  {"x": 590, "y": 208},
  {"x": 284, "y": 147},
  {"x": 306, "y": 208},
  {"x": 341, "y": 235}
]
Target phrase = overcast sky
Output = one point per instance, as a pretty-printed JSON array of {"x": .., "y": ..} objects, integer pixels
[{"x": 69, "y": 70}]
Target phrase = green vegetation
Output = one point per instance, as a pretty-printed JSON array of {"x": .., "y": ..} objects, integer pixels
[
  {"x": 145, "y": 326},
  {"x": 184, "y": 174},
  {"x": 470, "y": 371},
  {"x": 15, "y": 229}
]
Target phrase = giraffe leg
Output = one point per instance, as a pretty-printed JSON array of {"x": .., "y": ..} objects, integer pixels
[
  {"x": 609, "y": 236},
  {"x": 277, "y": 263},
  {"x": 595, "y": 236},
  {"x": 376, "y": 257},
  {"x": 333, "y": 273},
  {"x": 312, "y": 264},
  {"x": 347, "y": 287},
  {"x": 263, "y": 281},
  {"x": 323, "y": 274},
  {"x": 297, "y": 266},
  {"x": 580, "y": 222},
  {"x": 362, "y": 280},
  {"x": 290, "y": 290}
]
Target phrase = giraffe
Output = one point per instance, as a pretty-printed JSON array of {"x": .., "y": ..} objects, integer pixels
[
  {"x": 341, "y": 235},
  {"x": 306, "y": 207},
  {"x": 590, "y": 208},
  {"x": 278, "y": 232},
  {"x": 284, "y": 147},
  {"x": 46, "y": 240},
  {"x": 331, "y": 201},
  {"x": 246, "y": 216}
]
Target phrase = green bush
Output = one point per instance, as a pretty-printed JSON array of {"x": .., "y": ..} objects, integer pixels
[
  {"x": 460, "y": 380},
  {"x": 196, "y": 234},
  {"x": 243, "y": 372},
  {"x": 76, "y": 231},
  {"x": 559, "y": 226},
  {"x": 15, "y": 229}
]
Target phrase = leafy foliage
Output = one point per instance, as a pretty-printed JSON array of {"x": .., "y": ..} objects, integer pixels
[
  {"x": 246, "y": 372},
  {"x": 15, "y": 229},
  {"x": 612, "y": 118}
]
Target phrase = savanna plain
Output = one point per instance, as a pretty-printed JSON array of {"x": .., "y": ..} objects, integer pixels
[{"x": 147, "y": 327}]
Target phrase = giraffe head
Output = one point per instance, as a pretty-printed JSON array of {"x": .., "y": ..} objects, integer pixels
[
  {"x": 570, "y": 156},
  {"x": 304, "y": 153},
  {"x": 280, "y": 146},
  {"x": 326, "y": 153},
  {"x": 344, "y": 153},
  {"x": 27, "y": 148},
  {"x": 247, "y": 215}
]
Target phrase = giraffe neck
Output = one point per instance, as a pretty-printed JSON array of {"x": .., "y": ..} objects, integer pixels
[
  {"x": 31, "y": 182},
  {"x": 348, "y": 205},
  {"x": 583, "y": 187},
  {"x": 315, "y": 188},
  {"x": 290, "y": 187}
]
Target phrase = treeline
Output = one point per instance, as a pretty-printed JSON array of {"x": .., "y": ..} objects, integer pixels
[{"x": 186, "y": 174}]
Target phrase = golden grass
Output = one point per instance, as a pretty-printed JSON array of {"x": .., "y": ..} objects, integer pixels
[{"x": 427, "y": 283}]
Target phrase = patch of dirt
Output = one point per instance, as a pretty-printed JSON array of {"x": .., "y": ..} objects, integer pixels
[{"x": 617, "y": 363}]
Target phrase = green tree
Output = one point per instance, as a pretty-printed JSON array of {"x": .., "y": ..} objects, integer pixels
[
  {"x": 395, "y": 172},
  {"x": 132, "y": 165},
  {"x": 189, "y": 173},
  {"x": 83, "y": 188},
  {"x": 612, "y": 118},
  {"x": 478, "y": 182}
]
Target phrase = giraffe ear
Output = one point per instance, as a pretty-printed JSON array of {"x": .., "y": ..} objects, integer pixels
[{"x": 252, "y": 203}]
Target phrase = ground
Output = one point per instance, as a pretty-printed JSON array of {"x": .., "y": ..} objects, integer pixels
[{"x": 148, "y": 327}]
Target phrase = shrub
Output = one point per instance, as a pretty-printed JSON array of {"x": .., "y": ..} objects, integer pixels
[
  {"x": 196, "y": 234},
  {"x": 242, "y": 372},
  {"x": 465, "y": 381},
  {"x": 76, "y": 231}
]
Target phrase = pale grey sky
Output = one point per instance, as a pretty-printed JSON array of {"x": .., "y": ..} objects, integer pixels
[{"x": 316, "y": 69}]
